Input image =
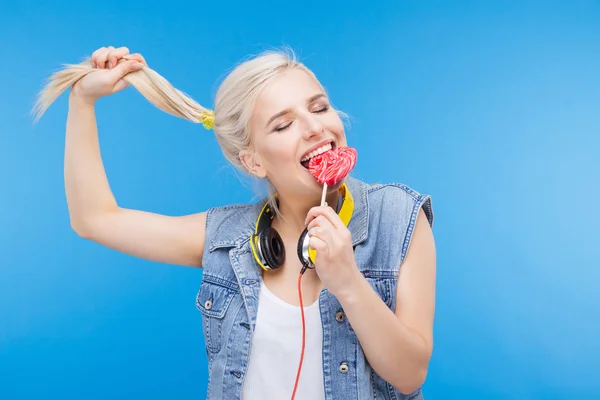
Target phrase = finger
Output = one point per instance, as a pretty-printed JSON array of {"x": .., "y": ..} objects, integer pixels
[
  {"x": 317, "y": 245},
  {"x": 322, "y": 222},
  {"x": 136, "y": 57},
  {"x": 120, "y": 85},
  {"x": 125, "y": 68},
  {"x": 102, "y": 57},
  {"x": 95, "y": 55},
  {"x": 313, "y": 213},
  {"x": 316, "y": 231},
  {"x": 316, "y": 221},
  {"x": 319, "y": 220},
  {"x": 115, "y": 55},
  {"x": 334, "y": 218},
  {"x": 329, "y": 215},
  {"x": 334, "y": 234},
  {"x": 325, "y": 234}
]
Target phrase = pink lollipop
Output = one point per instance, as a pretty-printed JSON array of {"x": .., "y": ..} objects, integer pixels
[{"x": 332, "y": 166}]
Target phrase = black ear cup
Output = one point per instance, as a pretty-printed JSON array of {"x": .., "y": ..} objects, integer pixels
[
  {"x": 302, "y": 249},
  {"x": 272, "y": 248}
]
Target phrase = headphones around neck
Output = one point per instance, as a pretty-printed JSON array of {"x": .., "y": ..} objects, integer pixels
[{"x": 267, "y": 246}]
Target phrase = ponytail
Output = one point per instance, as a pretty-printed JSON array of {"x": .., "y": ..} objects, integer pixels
[{"x": 156, "y": 89}]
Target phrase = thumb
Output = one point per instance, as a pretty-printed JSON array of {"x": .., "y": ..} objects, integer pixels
[
  {"x": 125, "y": 68},
  {"x": 121, "y": 70}
]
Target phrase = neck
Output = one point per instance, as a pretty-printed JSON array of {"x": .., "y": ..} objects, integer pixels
[{"x": 294, "y": 210}]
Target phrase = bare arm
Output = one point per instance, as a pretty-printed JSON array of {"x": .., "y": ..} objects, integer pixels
[
  {"x": 95, "y": 214},
  {"x": 399, "y": 344}
]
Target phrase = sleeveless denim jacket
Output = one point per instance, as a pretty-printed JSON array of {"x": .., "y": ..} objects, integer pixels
[{"x": 381, "y": 226}]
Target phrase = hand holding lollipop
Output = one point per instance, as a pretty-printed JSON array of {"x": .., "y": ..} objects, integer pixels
[{"x": 328, "y": 168}]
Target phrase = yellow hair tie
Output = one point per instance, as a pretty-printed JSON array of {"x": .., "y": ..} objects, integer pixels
[{"x": 207, "y": 118}]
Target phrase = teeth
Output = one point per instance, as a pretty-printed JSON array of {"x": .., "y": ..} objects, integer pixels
[{"x": 316, "y": 152}]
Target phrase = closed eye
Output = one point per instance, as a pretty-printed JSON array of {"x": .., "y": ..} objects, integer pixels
[
  {"x": 282, "y": 128},
  {"x": 319, "y": 110}
]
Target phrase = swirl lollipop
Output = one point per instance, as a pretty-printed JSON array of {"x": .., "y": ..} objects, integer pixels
[{"x": 332, "y": 166}]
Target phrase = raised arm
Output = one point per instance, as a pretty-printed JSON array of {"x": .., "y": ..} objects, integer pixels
[{"x": 94, "y": 212}]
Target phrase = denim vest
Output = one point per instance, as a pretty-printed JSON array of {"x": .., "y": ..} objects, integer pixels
[{"x": 228, "y": 295}]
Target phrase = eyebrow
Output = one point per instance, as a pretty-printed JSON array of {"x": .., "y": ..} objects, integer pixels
[{"x": 287, "y": 110}]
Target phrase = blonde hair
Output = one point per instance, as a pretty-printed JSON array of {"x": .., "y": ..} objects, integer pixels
[{"x": 234, "y": 101}]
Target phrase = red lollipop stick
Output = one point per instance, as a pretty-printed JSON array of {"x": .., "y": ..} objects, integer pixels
[{"x": 332, "y": 166}]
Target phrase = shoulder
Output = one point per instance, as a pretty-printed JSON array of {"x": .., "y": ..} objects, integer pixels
[
  {"x": 404, "y": 197},
  {"x": 229, "y": 225},
  {"x": 220, "y": 214},
  {"x": 396, "y": 198}
]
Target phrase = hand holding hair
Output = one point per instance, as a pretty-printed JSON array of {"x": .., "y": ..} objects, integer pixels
[{"x": 110, "y": 70}]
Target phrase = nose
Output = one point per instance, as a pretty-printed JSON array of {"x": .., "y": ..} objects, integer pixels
[{"x": 313, "y": 128}]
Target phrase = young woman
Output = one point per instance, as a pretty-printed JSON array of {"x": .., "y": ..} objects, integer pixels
[{"x": 369, "y": 298}]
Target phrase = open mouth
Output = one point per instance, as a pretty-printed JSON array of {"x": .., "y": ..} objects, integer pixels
[{"x": 306, "y": 159}]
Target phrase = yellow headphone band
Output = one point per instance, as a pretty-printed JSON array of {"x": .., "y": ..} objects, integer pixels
[
  {"x": 266, "y": 216},
  {"x": 261, "y": 221},
  {"x": 347, "y": 207}
]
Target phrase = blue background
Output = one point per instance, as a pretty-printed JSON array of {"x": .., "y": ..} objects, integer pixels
[{"x": 490, "y": 107}]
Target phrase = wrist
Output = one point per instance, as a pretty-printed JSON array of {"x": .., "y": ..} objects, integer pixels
[
  {"x": 77, "y": 100},
  {"x": 352, "y": 291}
]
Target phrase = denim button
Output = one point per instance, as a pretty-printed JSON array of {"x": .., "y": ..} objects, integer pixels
[
  {"x": 344, "y": 367},
  {"x": 208, "y": 304},
  {"x": 340, "y": 316}
]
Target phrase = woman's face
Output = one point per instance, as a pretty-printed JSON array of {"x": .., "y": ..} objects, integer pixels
[{"x": 292, "y": 121}]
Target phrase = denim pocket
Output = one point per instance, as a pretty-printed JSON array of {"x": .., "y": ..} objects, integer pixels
[
  {"x": 384, "y": 283},
  {"x": 213, "y": 300}
]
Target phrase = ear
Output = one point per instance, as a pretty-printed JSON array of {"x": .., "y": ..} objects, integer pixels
[{"x": 253, "y": 163}]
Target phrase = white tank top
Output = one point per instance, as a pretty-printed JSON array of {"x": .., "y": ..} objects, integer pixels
[{"x": 276, "y": 348}]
